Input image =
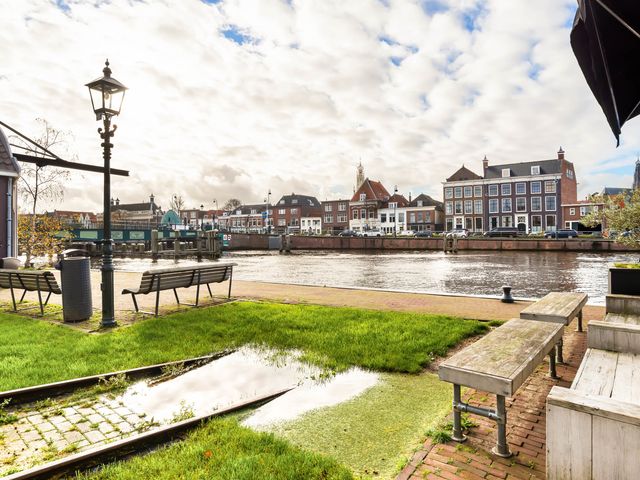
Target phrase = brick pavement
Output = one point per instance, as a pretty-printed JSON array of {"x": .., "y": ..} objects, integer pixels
[{"x": 526, "y": 430}]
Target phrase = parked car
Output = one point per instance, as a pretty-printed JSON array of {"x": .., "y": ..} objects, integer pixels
[
  {"x": 370, "y": 233},
  {"x": 459, "y": 233},
  {"x": 562, "y": 233},
  {"x": 502, "y": 232},
  {"x": 407, "y": 233},
  {"x": 424, "y": 234},
  {"x": 347, "y": 233}
]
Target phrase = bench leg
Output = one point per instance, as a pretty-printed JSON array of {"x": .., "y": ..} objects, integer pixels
[
  {"x": 457, "y": 416},
  {"x": 209, "y": 288},
  {"x": 13, "y": 299},
  {"x": 552, "y": 365},
  {"x": 230, "y": 278},
  {"x": 47, "y": 300},
  {"x": 22, "y": 297},
  {"x": 157, "y": 300},
  {"x": 559, "y": 358},
  {"x": 580, "y": 321},
  {"x": 502, "y": 447},
  {"x": 176, "y": 295},
  {"x": 197, "y": 294},
  {"x": 135, "y": 303}
]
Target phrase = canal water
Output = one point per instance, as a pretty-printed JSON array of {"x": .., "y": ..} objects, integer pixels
[{"x": 531, "y": 274}]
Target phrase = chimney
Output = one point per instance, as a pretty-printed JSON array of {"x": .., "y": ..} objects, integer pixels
[
  {"x": 561, "y": 154},
  {"x": 117, "y": 201},
  {"x": 409, "y": 196},
  {"x": 112, "y": 201},
  {"x": 485, "y": 163}
]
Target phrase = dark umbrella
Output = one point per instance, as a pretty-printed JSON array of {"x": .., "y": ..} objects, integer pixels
[{"x": 606, "y": 42}]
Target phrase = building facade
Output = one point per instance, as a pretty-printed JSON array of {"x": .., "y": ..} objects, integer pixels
[
  {"x": 526, "y": 195},
  {"x": 425, "y": 214},
  {"x": 144, "y": 213},
  {"x": 392, "y": 214},
  {"x": 572, "y": 214},
  {"x": 368, "y": 198},
  {"x": 9, "y": 175},
  {"x": 289, "y": 211},
  {"x": 244, "y": 219},
  {"x": 335, "y": 216}
]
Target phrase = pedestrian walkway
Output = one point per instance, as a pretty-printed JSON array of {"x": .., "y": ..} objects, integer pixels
[{"x": 526, "y": 430}]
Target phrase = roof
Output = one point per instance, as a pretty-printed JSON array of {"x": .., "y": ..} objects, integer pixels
[
  {"x": 170, "y": 218},
  {"x": 427, "y": 201},
  {"x": 523, "y": 169},
  {"x": 8, "y": 165},
  {"x": 295, "y": 200},
  {"x": 402, "y": 202},
  {"x": 615, "y": 191},
  {"x": 462, "y": 174},
  {"x": 136, "y": 207},
  {"x": 246, "y": 209},
  {"x": 374, "y": 191}
]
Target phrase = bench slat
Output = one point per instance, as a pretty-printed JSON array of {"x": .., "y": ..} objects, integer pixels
[{"x": 560, "y": 307}]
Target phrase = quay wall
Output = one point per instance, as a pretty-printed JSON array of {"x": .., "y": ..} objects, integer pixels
[{"x": 299, "y": 242}]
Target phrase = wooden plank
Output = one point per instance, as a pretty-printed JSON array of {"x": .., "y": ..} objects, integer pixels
[
  {"x": 595, "y": 405},
  {"x": 626, "y": 385},
  {"x": 616, "y": 303},
  {"x": 568, "y": 444},
  {"x": 615, "y": 449},
  {"x": 597, "y": 373},
  {"x": 616, "y": 337},
  {"x": 500, "y": 361},
  {"x": 560, "y": 307},
  {"x": 622, "y": 318}
]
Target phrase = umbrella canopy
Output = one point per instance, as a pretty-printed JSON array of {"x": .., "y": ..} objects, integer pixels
[{"x": 606, "y": 41}]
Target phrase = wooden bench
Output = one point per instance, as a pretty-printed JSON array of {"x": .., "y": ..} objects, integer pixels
[
  {"x": 181, "y": 277},
  {"x": 499, "y": 363},
  {"x": 29, "y": 281},
  {"x": 620, "y": 329}
]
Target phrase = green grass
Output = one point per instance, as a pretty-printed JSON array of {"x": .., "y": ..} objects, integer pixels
[
  {"x": 223, "y": 450},
  {"x": 376, "y": 432},
  {"x": 34, "y": 352},
  {"x": 626, "y": 265}
]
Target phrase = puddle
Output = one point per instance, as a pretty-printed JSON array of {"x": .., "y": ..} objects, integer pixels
[{"x": 242, "y": 375}]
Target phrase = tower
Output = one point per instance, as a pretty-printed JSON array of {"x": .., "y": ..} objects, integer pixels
[
  {"x": 359, "y": 176},
  {"x": 636, "y": 175}
]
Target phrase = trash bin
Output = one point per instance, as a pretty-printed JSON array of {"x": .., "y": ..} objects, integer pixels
[{"x": 75, "y": 276}]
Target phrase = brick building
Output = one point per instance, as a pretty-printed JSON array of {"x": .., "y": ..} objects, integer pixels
[
  {"x": 368, "y": 198},
  {"x": 244, "y": 219},
  {"x": 392, "y": 214},
  {"x": 288, "y": 213},
  {"x": 572, "y": 214},
  {"x": 526, "y": 195},
  {"x": 335, "y": 216},
  {"x": 424, "y": 213},
  {"x": 75, "y": 219}
]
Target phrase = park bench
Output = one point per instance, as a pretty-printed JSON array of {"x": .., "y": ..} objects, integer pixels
[
  {"x": 557, "y": 307},
  {"x": 499, "y": 363},
  {"x": 29, "y": 281},
  {"x": 181, "y": 277},
  {"x": 620, "y": 329}
]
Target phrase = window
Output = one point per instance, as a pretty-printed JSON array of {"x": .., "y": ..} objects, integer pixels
[
  {"x": 535, "y": 170},
  {"x": 493, "y": 190},
  {"x": 392, "y": 218},
  {"x": 282, "y": 222},
  {"x": 536, "y": 223},
  {"x": 419, "y": 203},
  {"x": 281, "y": 211},
  {"x": 254, "y": 211},
  {"x": 363, "y": 197},
  {"x": 328, "y": 207},
  {"x": 412, "y": 218},
  {"x": 569, "y": 173},
  {"x": 521, "y": 204},
  {"x": 550, "y": 186},
  {"x": 328, "y": 218},
  {"x": 550, "y": 221},
  {"x": 383, "y": 218},
  {"x": 468, "y": 191},
  {"x": 506, "y": 205},
  {"x": 583, "y": 211},
  {"x": 506, "y": 172},
  {"x": 468, "y": 207},
  {"x": 448, "y": 208},
  {"x": 550, "y": 204},
  {"x": 363, "y": 214},
  {"x": 507, "y": 221},
  {"x": 372, "y": 214},
  {"x": 458, "y": 205},
  {"x": 449, "y": 224},
  {"x": 493, "y": 222},
  {"x": 468, "y": 223},
  {"x": 193, "y": 214},
  {"x": 572, "y": 211},
  {"x": 536, "y": 188},
  {"x": 355, "y": 214},
  {"x": 342, "y": 218},
  {"x": 281, "y": 202},
  {"x": 342, "y": 207},
  {"x": 536, "y": 204},
  {"x": 401, "y": 217},
  {"x": 458, "y": 223},
  {"x": 448, "y": 192},
  {"x": 493, "y": 205},
  {"x": 477, "y": 191},
  {"x": 506, "y": 189},
  {"x": 294, "y": 211},
  {"x": 521, "y": 188},
  {"x": 478, "y": 224},
  {"x": 294, "y": 201},
  {"x": 477, "y": 206},
  {"x": 393, "y": 204},
  {"x": 458, "y": 192}
]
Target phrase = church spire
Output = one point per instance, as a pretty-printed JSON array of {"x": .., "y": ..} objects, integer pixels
[
  {"x": 636, "y": 175},
  {"x": 359, "y": 175}
]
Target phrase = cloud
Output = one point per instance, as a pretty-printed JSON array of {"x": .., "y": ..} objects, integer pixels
[{"x": 235, "y": 97}]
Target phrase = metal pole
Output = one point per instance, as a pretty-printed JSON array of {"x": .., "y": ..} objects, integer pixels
[
  {"x": 457, "y": 420},
  {"x": 108, "y": 319},
  {"x": 502, "y": 447}
]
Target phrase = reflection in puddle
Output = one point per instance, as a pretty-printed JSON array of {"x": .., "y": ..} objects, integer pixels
[{"x": 240, "y": 376}]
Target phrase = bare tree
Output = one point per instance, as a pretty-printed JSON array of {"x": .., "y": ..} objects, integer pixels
[
  {"x": 44, "y": 183},
  {"x": 232, "y": 204},
  {"x": 176, "y": 203}
]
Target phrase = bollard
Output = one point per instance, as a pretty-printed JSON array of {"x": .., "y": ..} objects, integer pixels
[{"x": 506, "y": 294}]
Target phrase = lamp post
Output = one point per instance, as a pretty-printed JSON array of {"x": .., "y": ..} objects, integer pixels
[
  {"x": 395, "y": 210},
  {"x": 107, "y": 95},
  {"x": 268, "y": 203},
  {"x": 214, "y": 216}
]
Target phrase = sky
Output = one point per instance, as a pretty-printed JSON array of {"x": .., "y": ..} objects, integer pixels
[{"x": 232, "y": 98}]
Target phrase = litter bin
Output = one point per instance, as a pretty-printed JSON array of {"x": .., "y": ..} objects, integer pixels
[{"x": 75, "y": 275}]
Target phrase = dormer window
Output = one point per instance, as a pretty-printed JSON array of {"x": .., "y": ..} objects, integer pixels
[
  {"x": 281, "y": 202},
  {"x": 294, "y": 201},
  {"x": 506, "y": 172},
  {"x": 419, "y": 203},
  {"x": 238, "y": 212},
  {"x": 535, "y": 170}
]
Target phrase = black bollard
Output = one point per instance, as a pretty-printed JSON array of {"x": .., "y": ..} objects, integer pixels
[{"x": 506, "y": 294}]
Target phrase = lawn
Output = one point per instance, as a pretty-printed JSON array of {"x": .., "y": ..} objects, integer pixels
[{"x": 34, "y": 352}]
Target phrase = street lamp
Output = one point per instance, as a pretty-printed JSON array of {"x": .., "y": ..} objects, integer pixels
[
  {"x": 201, "y": 217},
  {"x": 107, "y": 95},
  {"x": 395, "y": 210},
  {"x": 268, "y": 202}
]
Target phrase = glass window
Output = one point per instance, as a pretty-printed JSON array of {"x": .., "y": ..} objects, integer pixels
[
  {"x": 507, "y": 221},
  {"x": 342, "y": 207},
  {"x": 506, "y": 172},
  {"x": 355, "y": 214},
  {"x": 493, "y": 205},
  {"x": 521, "y": 188},
  {"x": 468, "y": 223},
  {"x": 401, "y": 217},
  {"x": 468, "y": 207},
  {"x": 493, "y": 190},
  {"x": 550, "y": 221},
  {"x": 427, "y": 217},
  {"x": 477, "y": 206},
  {"x": 536, "y": 188},
  {"x": 449, "y": 224},
  {"x": 468, "y": 191},
  {"x": 412, "y": 218},
  {"x": 328, "y": 207},
  {"x": 572, "y": 211},
  {"x": 535, "y": 170},
  {"x": 477, "y": 191},
  {"x": 458, "y": 192},
  {"x": 521, "y": 204},
  {"x": 506, "y": 189},
  {"x": 393, "y": 204},
  {"x": 478, "y": 224},
  {"x": 506, "y": 205},
  {"x": 536, "y": 204},
  {"x": 550, "y": 204},
  {"x": 281, "y": 211},
  {"x": 493, "y": 222},
  {"x": 448, "y": 192},
  {"x": 363, "y": 214},
  {"x": 372, "y": 214},
  {"x": 448, "y": 206},
  {"x": 583, "y": 211},
  {"x": 536, "y": 223},
  {"x": 383, "y": 218},
  {"x": 363, "y": 197},
  {"x": 342, "y": 218},
  {"x": 550, "y": 186},
  {"x": 570, "y": 174},
  {"x": 294, "y": 211},
  {"x": 458, "y": 206},
  {"x": 282, "y": 222}
]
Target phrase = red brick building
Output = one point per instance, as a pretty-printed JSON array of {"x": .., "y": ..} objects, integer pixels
[
  {"x": 572, "y": 214},
  {"x": 288, "y": 212},
  {"x": 365, "y": 203},
  {"x": 335, "y": 216}
]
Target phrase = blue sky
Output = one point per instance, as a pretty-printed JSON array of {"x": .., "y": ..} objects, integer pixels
[{"x": 233, "y": 97}]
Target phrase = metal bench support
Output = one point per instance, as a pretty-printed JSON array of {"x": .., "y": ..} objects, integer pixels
[
  {"x": 552, "y": 365},
  {"x": 579, "y": 321}
]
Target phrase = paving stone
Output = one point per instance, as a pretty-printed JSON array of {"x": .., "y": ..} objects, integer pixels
[
  {"x": 57, "y": 420},
  {"x": 95, "y": 418},
  {"x": 45, "y": 427},
  {"x": 113, "y": 434},
  {"x": 65, "y": 426},
  {"x": 74, "y": 418},
  {"x": 125, "y": 427},
  {"x": 95, "y": 436},
  {"x": 37, "y": 445},
  {"x": 114, "y": 418},
  {"x": 35, "y": 419},
  {"x": 84, "y": 427},
  {"x": 31, "y": 436},
  {"x": 52, "y": 435},
  {"x": 73, "y": 437},
  {"x": 105, "y": 427}
]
